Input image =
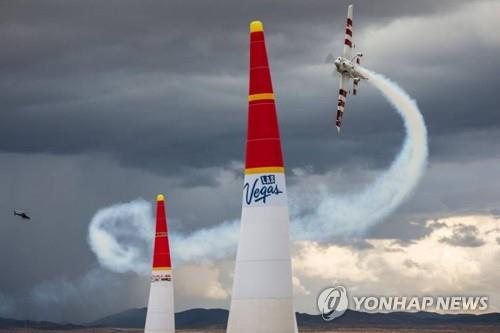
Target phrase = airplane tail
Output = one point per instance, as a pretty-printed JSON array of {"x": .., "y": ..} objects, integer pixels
[
  {"x": 355, "y": 85},
  {"x": 355, "y": 82}
]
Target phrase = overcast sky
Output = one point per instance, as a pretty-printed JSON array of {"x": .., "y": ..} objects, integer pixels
[{"x": 107, "y": 102}]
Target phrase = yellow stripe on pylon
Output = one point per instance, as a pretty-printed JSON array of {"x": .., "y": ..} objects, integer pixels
[
  {"x": 264, "y": 170},
  {"x": 162, "y": 268},
  {"x": 258, "y": 97}
]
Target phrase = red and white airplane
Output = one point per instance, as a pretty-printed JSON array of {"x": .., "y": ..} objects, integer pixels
[{"x": 346, "y": 66}]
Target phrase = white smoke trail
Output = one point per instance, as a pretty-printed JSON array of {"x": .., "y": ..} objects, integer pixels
[
  {"x": 347, "y": 215},
  {"x": 211, "y": 243},
  {"x": 121, "y": 236},
  {"x": 333, "y": 216}
]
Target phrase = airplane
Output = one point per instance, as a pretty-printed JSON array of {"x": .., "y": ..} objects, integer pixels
[
  {"x": 23, "y": 215},
  {"x": 346, "y": 66}
]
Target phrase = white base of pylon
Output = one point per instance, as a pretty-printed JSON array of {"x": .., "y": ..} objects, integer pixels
[
  {"x": 262, "y": 300},
  {"x": 160, "y": 315},
  {"x": 262, "y": 315}
]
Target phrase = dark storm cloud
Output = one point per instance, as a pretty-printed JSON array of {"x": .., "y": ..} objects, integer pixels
[
  {"x": 161, "y": 86},
  {"x": 464, "y": 235}
]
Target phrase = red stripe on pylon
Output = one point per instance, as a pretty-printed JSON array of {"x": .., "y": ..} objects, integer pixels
[
  {"x": 263, "y": 138},
  {"x": 260, "y": 76},
  {"x": 161, "y": 253}
]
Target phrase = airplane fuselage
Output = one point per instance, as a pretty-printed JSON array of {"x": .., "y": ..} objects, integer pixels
[{"x": 347, "y": 67}]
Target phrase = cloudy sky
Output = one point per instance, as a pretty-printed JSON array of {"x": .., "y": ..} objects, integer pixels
[{"x": 108, "y": 102}]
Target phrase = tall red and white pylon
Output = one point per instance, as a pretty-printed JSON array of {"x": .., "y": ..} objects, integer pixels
[
  {"x": 262, "y": 299},
  {"x": 160, "y": 315}
]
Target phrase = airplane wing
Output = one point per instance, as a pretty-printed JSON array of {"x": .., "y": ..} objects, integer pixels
[
  {"x": 348, "y": 41},
  {"x": 344, "y": 82}
]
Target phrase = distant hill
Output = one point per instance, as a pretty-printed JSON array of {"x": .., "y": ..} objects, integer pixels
[
  {"x": 46, "y": 325},
  {"x": 194, "y": 318},
  {"x": 357, "y": 319},
  {"x": 133, "y": 318},
  {"x": 217, "y": 318}
]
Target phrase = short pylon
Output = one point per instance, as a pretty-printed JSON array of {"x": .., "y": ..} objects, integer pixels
[{"x": 160, "y": 314}]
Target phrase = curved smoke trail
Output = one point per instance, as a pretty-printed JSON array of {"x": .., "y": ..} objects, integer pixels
[
  {"x": 335, "y": 215},
  {"x": 348, "y": 215},
  {"x": 121, "y": 236}
]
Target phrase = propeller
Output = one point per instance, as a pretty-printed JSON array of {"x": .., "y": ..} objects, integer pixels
[{"x": 330, "y": 59}]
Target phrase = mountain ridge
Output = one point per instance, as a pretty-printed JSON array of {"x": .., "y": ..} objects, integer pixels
[
  {"x": 217, "y": 318},
  {"x": 200, "y": 318}
]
